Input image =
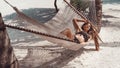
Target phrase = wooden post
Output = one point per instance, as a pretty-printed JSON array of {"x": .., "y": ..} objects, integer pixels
[
  {"x": 55, "y": 4},
  {"x": 99, "y": 13},
  {"x": 7, "y": 56}
]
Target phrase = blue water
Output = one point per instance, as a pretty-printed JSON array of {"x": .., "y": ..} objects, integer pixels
[{"x": 111, "y": 1}]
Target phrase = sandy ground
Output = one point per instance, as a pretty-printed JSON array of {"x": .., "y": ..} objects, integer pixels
[
  {"x": 36, "y": 54},
  {"x": 109, "y": 52}
]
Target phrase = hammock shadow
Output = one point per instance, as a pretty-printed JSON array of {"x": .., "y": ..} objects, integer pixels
[
  {"x": 66, "y": 56},
  {"x": 48, "y": 56},
  {"x": 40, "y": 14}
]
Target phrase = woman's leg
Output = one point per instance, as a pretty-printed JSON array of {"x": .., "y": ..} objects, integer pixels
[{"x": 67, "y": 32}]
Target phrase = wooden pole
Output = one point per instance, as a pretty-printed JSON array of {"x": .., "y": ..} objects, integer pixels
[
  {"x": 55, "y": 4},
  {"x": 7, "y": 56}
]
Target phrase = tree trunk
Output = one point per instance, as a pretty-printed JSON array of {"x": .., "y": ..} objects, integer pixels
[
  {"x": 55, "y": 4},
  {"x": 99, "y": 13},
  {"x": 7, "y": 57},
  {"x": 92, "y": 12}
]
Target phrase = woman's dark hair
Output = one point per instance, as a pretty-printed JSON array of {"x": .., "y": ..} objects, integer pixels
[
  {"x": 85, "y": 35},
  {"x": 86, "y": 24}
]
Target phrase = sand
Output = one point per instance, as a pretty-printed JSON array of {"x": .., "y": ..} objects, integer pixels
[
  {"x": 43, "y": 54},
  {"x": 109, "y": 52}
]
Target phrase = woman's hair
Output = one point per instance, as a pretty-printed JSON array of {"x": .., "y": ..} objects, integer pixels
[
  {"x": 85, "y": 35},
  {"x": 84, "y": 25}
]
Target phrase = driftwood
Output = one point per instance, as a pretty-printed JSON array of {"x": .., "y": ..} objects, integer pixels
[{"x": 7, "y": 56}]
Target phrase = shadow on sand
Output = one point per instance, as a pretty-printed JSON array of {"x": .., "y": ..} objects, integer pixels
[
  {"x": 51, "y": 56},
  {"x": 52, "y": 59},
  {"x": 48, "y": 56}
]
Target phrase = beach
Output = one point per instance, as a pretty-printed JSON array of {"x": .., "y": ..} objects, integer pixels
[{"x": 34, "y": 52}]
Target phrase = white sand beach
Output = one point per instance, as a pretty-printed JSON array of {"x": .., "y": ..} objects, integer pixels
[{"x": 43, "y": 54}]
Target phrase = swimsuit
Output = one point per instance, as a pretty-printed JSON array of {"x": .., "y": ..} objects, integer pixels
[{"x": 85, "y": 36}]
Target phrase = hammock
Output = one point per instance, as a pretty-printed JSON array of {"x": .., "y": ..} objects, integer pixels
[{"x": 62, "y": 20}]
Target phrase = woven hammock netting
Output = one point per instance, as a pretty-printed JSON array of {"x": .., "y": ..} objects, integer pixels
[{"x": 62, "y": 19}]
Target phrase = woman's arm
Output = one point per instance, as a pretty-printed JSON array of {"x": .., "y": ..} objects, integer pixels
[
  {"x": 76, "y": 26},
  {"x": 78, "y": 20}
]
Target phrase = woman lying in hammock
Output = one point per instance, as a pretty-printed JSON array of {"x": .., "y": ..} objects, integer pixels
[{"x": 81, "y": 34}]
